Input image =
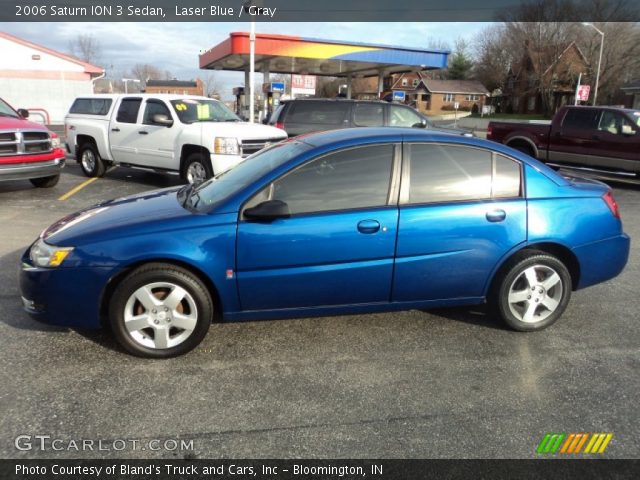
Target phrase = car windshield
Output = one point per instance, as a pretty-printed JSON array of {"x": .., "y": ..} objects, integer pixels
[
  {"x": 6, "y": 110},
  {"x": 190, "y": 110},
  {"x": 206, "y": 195}
]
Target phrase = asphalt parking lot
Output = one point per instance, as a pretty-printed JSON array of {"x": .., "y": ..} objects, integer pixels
[{"x": 439, "y": 384}]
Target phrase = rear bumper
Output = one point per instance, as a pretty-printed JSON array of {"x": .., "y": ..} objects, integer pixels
[
  {"x": 28, "y": 170},
  {"x": 603, "y": 260}
]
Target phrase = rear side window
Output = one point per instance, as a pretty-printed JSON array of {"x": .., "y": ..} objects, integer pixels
[
  {"x": 324, "y": 113},
  {"x": 128, "y": 110},
  {"x": 275, "y": 115},
  {"x": 91, "y": 106},
  {"x": 581, "y": 118},
  {"x": 368, "y": 115},
  {"x": 447, "y": 173}
]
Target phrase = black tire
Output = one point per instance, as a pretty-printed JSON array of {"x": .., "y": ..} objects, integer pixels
[
  {"x": 196, "y": 165},
  {"x": 90, "y": 161},
  {"x": 149, "y": 341},
  {"x": 541, "y": 306},
  {"x": 45, "y": 182}
]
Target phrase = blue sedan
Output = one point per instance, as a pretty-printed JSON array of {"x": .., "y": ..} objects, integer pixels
[{"x": 349, "y": 221}]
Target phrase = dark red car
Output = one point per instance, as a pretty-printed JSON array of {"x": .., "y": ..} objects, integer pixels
[{"x": 594, "y": 138}]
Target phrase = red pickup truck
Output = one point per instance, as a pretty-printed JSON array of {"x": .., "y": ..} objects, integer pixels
[
  {"x": 27, "y": 149},
  {"x": 603, "y": 139}
]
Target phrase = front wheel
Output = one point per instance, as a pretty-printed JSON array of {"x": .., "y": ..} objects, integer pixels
[
  {"x": 160, "y": 311},
  {"x": 90, "y": 161},
  {"x": 45, "y": 182},
  {"x": 196, "y": 169},
  {"x": 534, "y": 292}
]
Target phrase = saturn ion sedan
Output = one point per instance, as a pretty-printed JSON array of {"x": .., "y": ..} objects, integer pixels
[{"x": 348, "y": 221}]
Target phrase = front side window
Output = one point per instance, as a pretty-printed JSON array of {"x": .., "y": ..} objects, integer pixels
[
  {"x": 613, "y": 122},
  {"x": 345, "y": 180},
  {"x": 128, "y": 110},
  {"x": 154, "y": 107},
  {"x": 368, "y": 115},
  {"x": 447, "y": 173}
]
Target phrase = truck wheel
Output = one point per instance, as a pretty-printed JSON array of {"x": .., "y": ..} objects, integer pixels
[
  {"x": 90, "y": 161},
  {"x": 196, "y": 169},
  {"x": 45, "y": 182},
  {"x": 524, "y": 149}
]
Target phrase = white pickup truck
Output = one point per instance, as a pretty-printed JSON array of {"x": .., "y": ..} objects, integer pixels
[{"x": 195, "y": 137}]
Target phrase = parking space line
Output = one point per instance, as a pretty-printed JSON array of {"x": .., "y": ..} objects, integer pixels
[{"x": 77, "y": 188}]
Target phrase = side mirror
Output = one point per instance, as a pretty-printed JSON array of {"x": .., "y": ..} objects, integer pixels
[
  {"x": 628, "y": 130},
  {"x": 421, "y": 124},
  {"x": 23, "y": 112},
  {"x": 269, "y": 210},
  {"x": 161, "y": 119}
]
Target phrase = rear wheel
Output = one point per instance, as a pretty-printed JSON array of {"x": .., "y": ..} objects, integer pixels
[
  {"x": 534, "y": 291},
  {"x": 160, "y": 311},
  {"x": 196, "y": 169},
  {"x": 45, "y": 182},
  {"x": 90, "y": 161}
]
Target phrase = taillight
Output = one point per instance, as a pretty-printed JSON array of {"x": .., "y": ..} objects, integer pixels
[
  {"x": 280, "y": 125},
  {"x": 611, "y": 203},
  {"x": 489, "y": 132}
]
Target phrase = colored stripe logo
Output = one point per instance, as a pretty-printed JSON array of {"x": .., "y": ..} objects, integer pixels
[{"x": 573, "y": 443}]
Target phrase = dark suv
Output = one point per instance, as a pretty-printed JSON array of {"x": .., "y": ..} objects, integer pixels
[{"x": 311, "y": 115}]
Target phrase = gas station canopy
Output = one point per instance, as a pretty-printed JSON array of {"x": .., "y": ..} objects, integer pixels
[{"x": 309, "y": 56}]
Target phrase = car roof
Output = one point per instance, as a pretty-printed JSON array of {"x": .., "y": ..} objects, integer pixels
[
  {"x": 364, "y": 134},
  {"x": 166, "y": 96},
  {"x": 334, "y": 100}
]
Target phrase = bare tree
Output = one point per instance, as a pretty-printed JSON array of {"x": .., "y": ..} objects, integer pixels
[
  {"x": 145, "y": 72},
  {"x": 210, "y": 84},
  {"x": 86, "y": 47}
]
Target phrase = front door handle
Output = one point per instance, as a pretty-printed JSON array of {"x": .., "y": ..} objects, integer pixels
[
  {"x": 368, "y": 226},
  {"x": 115, "y": 129},
  {"x": 496, "y": 215},
  {"x": 143, "y": 132}
]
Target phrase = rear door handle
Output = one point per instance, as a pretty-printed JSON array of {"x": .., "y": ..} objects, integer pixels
[
  {"x": 143, "y": 132},
  {"x": 368, "y": 226},
  {"x": 496, "y": 215},
  {"x": 115, "y": 129}
]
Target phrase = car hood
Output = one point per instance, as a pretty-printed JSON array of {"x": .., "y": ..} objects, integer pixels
[
  {"x": 242, "y": 130},
  {"x": 12, "y": 123},
  {"x": 145, "y": 211}
]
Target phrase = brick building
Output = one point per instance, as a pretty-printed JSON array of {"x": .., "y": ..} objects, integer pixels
[{"x": 178, "y": 87}]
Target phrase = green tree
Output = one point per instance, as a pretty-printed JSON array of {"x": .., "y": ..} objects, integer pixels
[{"x": 461, "y": 64}]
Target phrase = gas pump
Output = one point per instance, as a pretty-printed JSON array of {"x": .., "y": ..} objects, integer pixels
[
  {"x": 242, "y": 109},
  {"x": 272, "y": 91}
]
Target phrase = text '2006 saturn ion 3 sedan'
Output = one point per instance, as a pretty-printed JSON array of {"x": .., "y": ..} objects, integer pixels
[{"x": 356, "y": 220}]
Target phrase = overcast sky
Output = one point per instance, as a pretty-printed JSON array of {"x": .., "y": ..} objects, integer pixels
[{"x": 175, "y": 46}]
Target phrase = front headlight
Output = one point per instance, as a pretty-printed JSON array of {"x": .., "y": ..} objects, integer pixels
[
  {"x": 45, "y": 255},
  {"x": 226, "y": 146},
  {"x": 55, "y": 141}
]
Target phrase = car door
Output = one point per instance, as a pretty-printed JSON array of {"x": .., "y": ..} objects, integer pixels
[
  {"x": 576, "y": 138},
  {"x": 155, "y": 142},
  {"x": 461, "y": 210},
  {"x": 123, "y": 131},
  {"x": 619, "y": 143},
  {"x": 338, "y": 245}
]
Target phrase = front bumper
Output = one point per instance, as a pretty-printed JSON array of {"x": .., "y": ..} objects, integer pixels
[
  {"x": 67, "y": 297},
  {"x": 28, "y": 170},
  {"x": 222, "y": 163}
]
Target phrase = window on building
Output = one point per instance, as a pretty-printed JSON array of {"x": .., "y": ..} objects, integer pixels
[
  {"x": 405, "y": 82},
  {"x": 472, "y": 98},
  {"x": 449, "y": 97},
  {"x": 415, "y": 82}
]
